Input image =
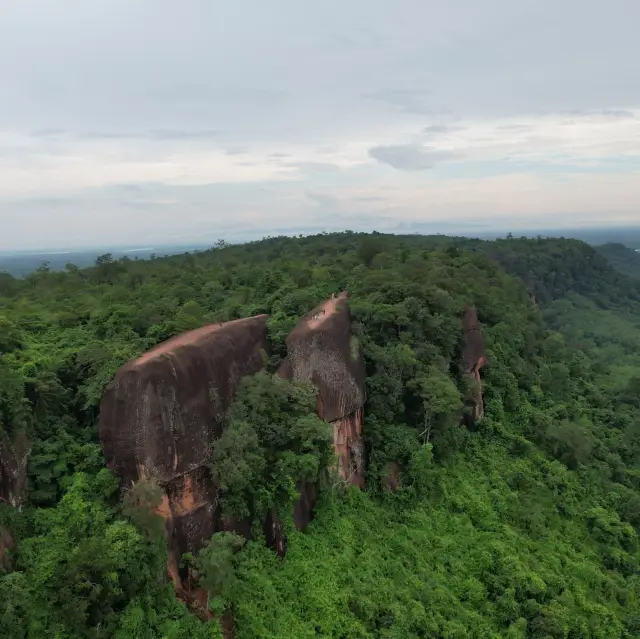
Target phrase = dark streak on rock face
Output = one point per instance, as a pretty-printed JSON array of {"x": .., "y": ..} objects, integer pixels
[
  {"x": 473, "y": 359},
  {"x": 192, "y": 502},
  {"x": 304, "y": 506},
  {"x": 274, "y": 534}
]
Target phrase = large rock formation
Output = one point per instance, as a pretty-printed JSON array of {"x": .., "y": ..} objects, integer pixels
[
  {"x": 322, "y": 350},
  {"x": 13, "y": 469},
  {"x": 161, "y": 412},
  {"x": 472, "y": 360}
]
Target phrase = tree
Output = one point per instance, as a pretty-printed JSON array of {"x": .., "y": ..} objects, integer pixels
[
  {"x": 104, "y": 259},
  {"x": 368, "y": 248},
  {"x": 441, "y": 401},
  {"x": 11, "y": 338},
  {"x": 238, "y": 465},
  {"x": 215, "y": 564},
  {"x": 141, "y": 504},
  {"x": 570, "y": 442}
]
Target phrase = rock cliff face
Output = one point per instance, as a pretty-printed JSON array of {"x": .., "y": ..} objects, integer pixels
[
  {"x": 322, "y": 350},
  {"x": 303, "y": 508},
  {"x": 13, "y": 469},
  {"x": 473, "y": 359},
  {"x": 161, "y": 412},
  {"x": 6, "y": 544}
]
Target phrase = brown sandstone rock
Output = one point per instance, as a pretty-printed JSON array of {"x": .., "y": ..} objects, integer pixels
[
  {"x": 473, "y": 359},
  {"x": 192, "y": 502},
  {"x": 304, "y": 506},
  {"x": 13, "y": 469},
  {"x": 322, "y": 350},
  {"x": 162, "y": 411},
  {"x": 274, "y": 533},
  {"x": 349, "y": 448}
]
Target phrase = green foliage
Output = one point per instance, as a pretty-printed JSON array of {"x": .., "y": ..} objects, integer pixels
[
  {"x": 82, "y": 572},
  {"x": 215, "y": 563},
  {"x": 524, "y": 526},
  {"x": 140, "y": 505},
  {"x": 368, "y": 248},
  {"x": 624, "y": 259},
  {"x": 273, "y": 439},
  {"x": 464, "y": 562},
  {"x": 553, "y": 268},
  {"x": 15, "y": 415},
  {"x": 441, "y": 404}
]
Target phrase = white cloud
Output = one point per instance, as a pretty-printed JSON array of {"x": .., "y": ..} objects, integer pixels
[
  {"x": 410, "y": 157},
  {"x": 44, "y": 165},
  {"x": 242, "y": 109}
]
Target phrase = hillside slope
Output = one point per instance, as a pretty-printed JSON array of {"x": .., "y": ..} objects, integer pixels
[
  {"x": 622, "y": 258},
  {"x": 553, "y": 268},
  {"x": 522, "y": 525}
]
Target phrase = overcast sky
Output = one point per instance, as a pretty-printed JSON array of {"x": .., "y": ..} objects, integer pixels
[{"x": 157, "y": 121}]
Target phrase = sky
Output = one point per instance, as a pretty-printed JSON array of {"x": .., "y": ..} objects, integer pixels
[{"x": 134, "y": 122}]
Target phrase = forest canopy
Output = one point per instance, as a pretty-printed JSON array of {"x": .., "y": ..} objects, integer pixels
[{"x": 524, "y": 525}]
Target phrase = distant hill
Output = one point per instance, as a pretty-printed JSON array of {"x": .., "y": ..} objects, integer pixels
[
  {"x": 21, "y": 263},
  {"x": 553, "y": 268},
  {"x": 622, "y": 258}
]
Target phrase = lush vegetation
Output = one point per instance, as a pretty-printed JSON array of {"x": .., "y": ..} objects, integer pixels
[
  {"x": 622, "y": 258},
  {"x": 553, "y": 268},
  {"x": 272, "y": 440},
  {"x": 524, "y": 526}
]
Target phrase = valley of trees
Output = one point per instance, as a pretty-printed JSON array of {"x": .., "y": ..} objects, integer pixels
[{"x": 522, "y": 526}]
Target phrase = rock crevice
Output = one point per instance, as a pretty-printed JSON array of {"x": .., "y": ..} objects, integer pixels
[
  {"x": 473, "y": 359},
  {"x": 14, "y": 455}
]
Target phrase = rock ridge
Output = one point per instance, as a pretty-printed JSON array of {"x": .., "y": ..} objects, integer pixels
[{"x": 322, "y": 350}]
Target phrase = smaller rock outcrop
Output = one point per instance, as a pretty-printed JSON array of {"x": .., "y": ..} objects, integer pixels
[
  {"x": 6, "y": 544},
  {"x": 472, "y": 360},
  {"x": 322, "y": 350},
  {"x": 13, "y": 469},
  {"x": 274, "y": 534},
  {"x": 391, "y": 479},
  {"x": 304, "y": 506}
]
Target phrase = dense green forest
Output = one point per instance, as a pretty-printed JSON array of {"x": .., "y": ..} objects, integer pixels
[
  {"x": 523, "y": 526},
  {"x": 622, "y": 258}
]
